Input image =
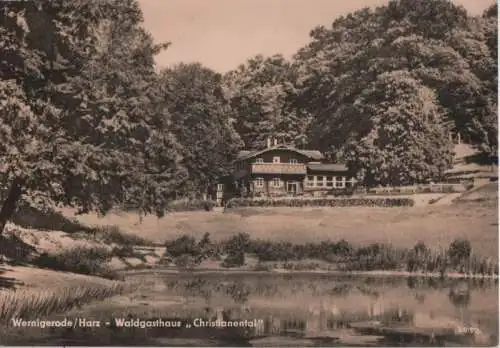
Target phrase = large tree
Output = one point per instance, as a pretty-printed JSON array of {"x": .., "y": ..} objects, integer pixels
[
  {"x": 79, "y": 121},
  {"x": 435, "y": 41},
  {"x": 202, "y": 120},
  {"x": 405, "y": 140},
  {"x": 263, "y": 93}
]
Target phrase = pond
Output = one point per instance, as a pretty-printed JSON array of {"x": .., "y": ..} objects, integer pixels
[{"x": 264, "y": 309}]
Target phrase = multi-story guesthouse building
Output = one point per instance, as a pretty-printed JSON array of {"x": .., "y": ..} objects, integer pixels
[{"x": 281, "y": 170}]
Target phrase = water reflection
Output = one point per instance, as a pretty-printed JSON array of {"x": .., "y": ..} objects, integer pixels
[
  {"x": 394, "y": 311},
  {"x": 304, "y": 310}
]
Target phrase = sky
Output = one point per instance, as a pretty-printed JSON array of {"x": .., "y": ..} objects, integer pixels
[{"x": 222, "y": 34}]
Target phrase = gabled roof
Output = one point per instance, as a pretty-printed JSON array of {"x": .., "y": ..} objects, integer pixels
[{"x": 311, "y": 154}]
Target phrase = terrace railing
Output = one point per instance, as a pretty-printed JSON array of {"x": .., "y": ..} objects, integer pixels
[
  {"x": 424, "y": 188},
  {"x": 279, "y": 168}
]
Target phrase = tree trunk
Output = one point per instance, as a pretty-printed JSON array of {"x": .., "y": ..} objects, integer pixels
[{"x": 9, "y": 206}]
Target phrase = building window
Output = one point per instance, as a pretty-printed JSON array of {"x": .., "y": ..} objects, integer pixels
[
  {"x": 259, "y": 182},
  {"x": 293, "y": 161},
  {"x": 340, "y": 182},
  {"x": 276, "y": 182},
  {"x": 329, "y": 181},
  {"x": 276, "y": 159},
  {"x": 310, "y": 181},
  {"x": 319, "y": 181},
  {"x": 259, "y": 160},
  {"x": 220, "y": 187}
]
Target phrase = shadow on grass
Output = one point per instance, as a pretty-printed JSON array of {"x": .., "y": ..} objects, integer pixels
[
  {"x": 13, "y": 251},
  {"x": 481, "y": 159},
  {"x": 30, "y": 217},
  {"x": 6, "y": 282}
]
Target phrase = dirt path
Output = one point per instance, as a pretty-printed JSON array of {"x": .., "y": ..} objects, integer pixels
[{"x": 448, "y": 198}]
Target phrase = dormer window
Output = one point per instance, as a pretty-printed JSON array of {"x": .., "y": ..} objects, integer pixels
[
  {"x": 259, "y": 160},
  {"x": 276, "y": 159},
  {"x": 293, "y": 161}
]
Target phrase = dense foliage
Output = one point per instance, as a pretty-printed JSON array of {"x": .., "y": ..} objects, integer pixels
[
  {"x": 263, "y": 93},
  {"x": 400, "y": 146},
  {"x": 90, "y": 261},
  {"x": 382, "y": 89},
  {"x": 434, "y": 43},
  {"x": 202, "y": 121},
  {"x": 81, "y": 125}
]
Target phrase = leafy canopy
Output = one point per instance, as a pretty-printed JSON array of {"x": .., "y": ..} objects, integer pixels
[
  {"x": 81, "y": 123},
  {"x": 202, "y": 121}
]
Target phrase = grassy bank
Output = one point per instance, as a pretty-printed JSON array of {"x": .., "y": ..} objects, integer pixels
[
  {"x": 436, "y": 226},
  {"x": 40, "y": 293}
]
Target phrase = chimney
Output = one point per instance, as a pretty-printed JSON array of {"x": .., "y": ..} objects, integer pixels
[
  {"x": 268, "y": 142},
  {"x": 275, "y": 141}
]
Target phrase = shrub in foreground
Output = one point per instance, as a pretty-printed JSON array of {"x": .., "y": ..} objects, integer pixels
[
  {"x": 89, "y": 261},
  {"x": 235, "y": 258},
  {"x": 185, "y": 245}
]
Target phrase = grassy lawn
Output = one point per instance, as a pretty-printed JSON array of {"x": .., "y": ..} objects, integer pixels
[{"x": 436, "y": 226}]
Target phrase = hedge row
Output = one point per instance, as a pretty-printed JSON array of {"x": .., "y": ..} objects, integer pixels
[
  {"x": 322, "y": 202},
  {"x": 191, "y": 205}
]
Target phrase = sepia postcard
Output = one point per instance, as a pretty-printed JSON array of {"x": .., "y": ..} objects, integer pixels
[{"x": 250, "y": 173}]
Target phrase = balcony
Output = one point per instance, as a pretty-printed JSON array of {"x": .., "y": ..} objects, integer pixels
[{"x": 279, "y": 168}]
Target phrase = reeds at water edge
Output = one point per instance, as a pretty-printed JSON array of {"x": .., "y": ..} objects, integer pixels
[{"x": 29, "y": 304}]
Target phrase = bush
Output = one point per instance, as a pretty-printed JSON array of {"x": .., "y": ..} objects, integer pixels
[
  {"x": 207, "y": 248},
  {"x": 185, "y": 262},
  {"x": 321, "y": 202},
  {"x": 267, "y": 251},
  {"x": 185, "y": 252},
  {"x": 123, "y": 251},
  {"x": 239, "y": 243},
  {"x": 90, "y": 261},
  {"x": 184, "y": 245},
  {"x": 459, "y": 254},
  {"x": 460, "y": 249},
  {"x": 376, "y": 257},
  {"x": 235, "y": 258},
  {"x": 127, "y": 251},
  {"x": 191, "y": 205},
  {"x": 113, "y": 235},
  {"x": 419, "y": 258},
  {"x": 187, "y": 247}
]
